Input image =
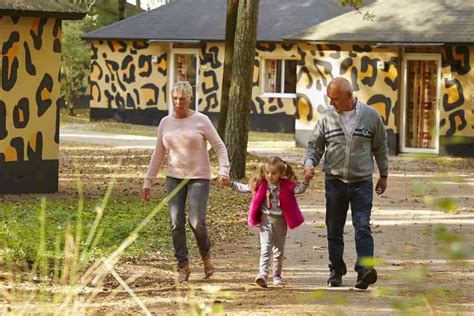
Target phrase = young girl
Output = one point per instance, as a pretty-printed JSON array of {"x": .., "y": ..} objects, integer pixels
[{"x": 274, "y": 208}]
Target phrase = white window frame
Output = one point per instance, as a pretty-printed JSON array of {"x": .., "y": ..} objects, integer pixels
[
  {"x": 185, "y": 51},
  {"x": 263, "y": 79},
  {"x": 406, "y": 58}
]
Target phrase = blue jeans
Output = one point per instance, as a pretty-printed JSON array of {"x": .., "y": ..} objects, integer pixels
[
  {"x": 338, "y": 197},
  {"x": 196, "y": 191}
]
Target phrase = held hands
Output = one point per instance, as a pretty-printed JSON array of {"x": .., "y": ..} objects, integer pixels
[
  {"x": 381, "y": 186},
  {"x": 223, "y": 180}
]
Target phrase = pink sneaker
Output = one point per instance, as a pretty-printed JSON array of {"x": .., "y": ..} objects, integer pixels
[{"x": 277, "y": 280}]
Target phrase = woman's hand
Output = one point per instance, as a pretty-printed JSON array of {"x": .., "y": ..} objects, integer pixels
[
  {"x": 146, "y": 194},
  {"x": 223, "y": 180}
]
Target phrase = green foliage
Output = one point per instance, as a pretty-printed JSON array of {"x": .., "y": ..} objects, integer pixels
[
  {"x": 417, "y": 274},
  {"x": 447, "y": 205},
  {"x": 357, "y": 4},
  {"x": 67, "y": 263},
  {"x": 75, "y": 62},
  {"x": 208, "y": 306},
  {"x": 369, "y": 261},
  {"x": 76, "y": 53},
  {"x": 20, "y": 228},
  {"x": 451, "y": 244},
  {"x": 353, "y": 3}
]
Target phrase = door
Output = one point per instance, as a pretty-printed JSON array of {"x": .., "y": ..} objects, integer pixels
[
  {"x": 421, "y": 94},
  {"x": 184, "y": 67}
]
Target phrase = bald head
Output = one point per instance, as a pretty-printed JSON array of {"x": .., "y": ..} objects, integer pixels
[
  {"x": 341, "y": 83},
  {"x": 339, "y": 92}
]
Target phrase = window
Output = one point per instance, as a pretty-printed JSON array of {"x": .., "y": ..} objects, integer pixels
[
  {"x": 185, "y": 70},
  {"x": 280, "y": 77}
]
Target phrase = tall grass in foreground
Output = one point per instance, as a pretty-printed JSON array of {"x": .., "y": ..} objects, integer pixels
[{"x": 62, "y": 286}]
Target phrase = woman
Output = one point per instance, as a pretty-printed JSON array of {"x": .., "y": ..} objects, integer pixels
[{"x": 183, "y": 136}]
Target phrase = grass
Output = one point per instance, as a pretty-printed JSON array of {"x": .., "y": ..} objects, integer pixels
[
  {"x": 81, "y": 122},
  {"x": 68, "y": 264},
  {"x": 20, "y": 226},
  {"x": 47, "y": 257},
  {"x": 95, "y": 166}
]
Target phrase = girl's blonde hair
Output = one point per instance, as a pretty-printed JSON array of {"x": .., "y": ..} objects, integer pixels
[{"x": 286, "y": 172}]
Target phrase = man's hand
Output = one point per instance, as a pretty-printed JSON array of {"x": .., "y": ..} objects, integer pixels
[
  {"x": 146, "y": 194},
  {"x": 381, "y": 186},
  {"x": 223, "y": 180},
  {"x": 308, "y": 173}
]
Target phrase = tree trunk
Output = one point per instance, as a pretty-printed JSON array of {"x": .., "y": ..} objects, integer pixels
[
  {"x": 231, "y": 22},
  {"x": 240, "y": 94},
  {"x": 121, "y": 9},
  {"x": 69, "y": 99},
  {"x": 70, "y": 108}
]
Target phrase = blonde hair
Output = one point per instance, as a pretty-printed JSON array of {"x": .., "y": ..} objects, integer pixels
[
  {"x": 183, "y": 87},
  {"x": 286, "y": 172}
]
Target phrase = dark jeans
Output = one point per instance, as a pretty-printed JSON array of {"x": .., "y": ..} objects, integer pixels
[
  {"x": 338, "y": 197},
  {"x": 196, "y": 191}
]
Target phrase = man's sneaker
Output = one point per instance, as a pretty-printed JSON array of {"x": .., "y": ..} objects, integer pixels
[
  {"x": 183, "y": 274},
  {"x": 277, "y": 280},
  {"x": 365, "y": 278},
  {"x": 261, "y": 280},
  {"x": 335, "y": 279}
]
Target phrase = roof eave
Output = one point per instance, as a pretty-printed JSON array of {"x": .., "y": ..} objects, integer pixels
[
  {"x": 382, "y": 41},
  {"x": 44, "y": 14},
  {"x": 168, "y": 40}
]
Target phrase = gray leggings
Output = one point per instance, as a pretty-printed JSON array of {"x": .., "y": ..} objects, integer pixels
[
  {"x": 272, "y": 242},
  {"x": 196, "y": 191}
]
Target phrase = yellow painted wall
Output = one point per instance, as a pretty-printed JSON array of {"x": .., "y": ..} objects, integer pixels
[
  {"x": 113, "y": 61},
  {"x": 124, "y": 76},
  {"x": 317, "y": 65},
  {"x": 457, "y": 95},
  {"x": 358, "y": 64},
  {"x": 29, "y": 89},
  {"x": 211, "y": 57}
]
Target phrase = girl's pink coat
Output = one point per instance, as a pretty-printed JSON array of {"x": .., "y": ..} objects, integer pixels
[{"x": 289, "y": 206}]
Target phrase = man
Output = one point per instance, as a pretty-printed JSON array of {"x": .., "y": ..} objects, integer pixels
[{"x": 350, "y": 134}]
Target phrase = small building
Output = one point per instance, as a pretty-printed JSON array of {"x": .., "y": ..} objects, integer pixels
[
  {"x": 135, "y": 61},
  {"x": 412, "y": 63},
  {"x": 30, "y": 38}
]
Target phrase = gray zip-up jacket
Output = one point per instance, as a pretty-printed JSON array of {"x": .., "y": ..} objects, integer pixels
[{"x": 349, "y": 154}]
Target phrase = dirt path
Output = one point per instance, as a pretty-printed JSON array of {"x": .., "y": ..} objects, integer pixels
[{"x": 413, "y": 272}]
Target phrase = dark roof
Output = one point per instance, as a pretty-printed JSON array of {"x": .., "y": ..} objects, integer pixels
[
  {"x": 41, "y": 8},
  {"x": 205, "y": 20},
  {"x": 399, "y": 21}
]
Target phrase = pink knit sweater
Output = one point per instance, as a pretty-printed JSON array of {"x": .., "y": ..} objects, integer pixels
[{"x": 185, "y": 143}]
